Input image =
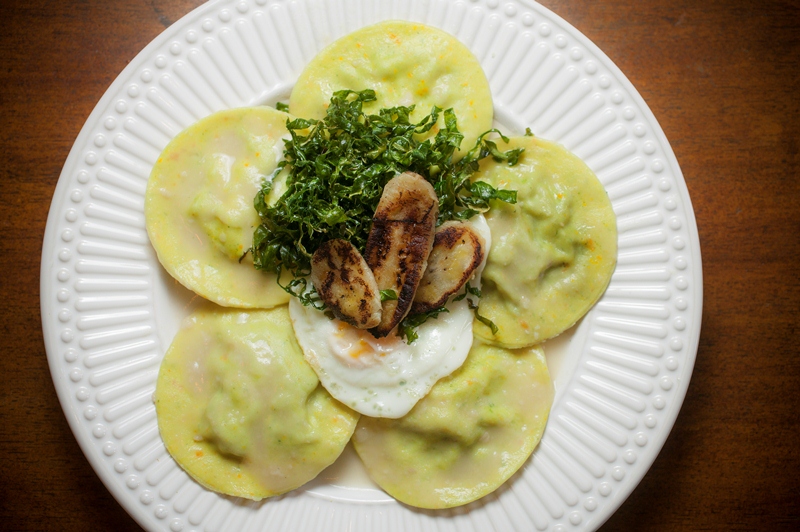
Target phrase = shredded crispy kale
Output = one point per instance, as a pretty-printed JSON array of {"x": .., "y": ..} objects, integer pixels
[
  {"x": 388, "y": 295},
  {"x": 475, "y": 291},
  {"x": 338, "y": 167},
  {"x": 407, "y": 328}
]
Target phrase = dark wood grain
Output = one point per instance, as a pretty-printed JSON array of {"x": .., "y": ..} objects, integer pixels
[{"x": 722, "y": 79}]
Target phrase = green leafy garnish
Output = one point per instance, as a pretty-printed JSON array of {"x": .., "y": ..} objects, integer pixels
[
  {"x": 483, "y": 319},
  {"x": 280, "y": 106},
  {"x": 475, "y": 291},
  {"x": 407, "y": 328},
  {"x": 339, "y": 166},
  {"x": 337, "y": 169},
  {"x": 388, "y": 295}
]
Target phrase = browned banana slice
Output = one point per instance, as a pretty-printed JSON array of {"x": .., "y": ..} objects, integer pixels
[
  {"x": 399, "y": 243},
  {"x": 457, "y": 251},
  {"x": 346, "y": 284}
]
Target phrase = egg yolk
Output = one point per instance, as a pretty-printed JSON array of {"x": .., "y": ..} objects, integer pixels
[{"x": 358, "y": 348}]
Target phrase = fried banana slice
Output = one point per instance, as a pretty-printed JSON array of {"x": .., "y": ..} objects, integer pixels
[
  {"x": 346, "y": 284},
  {"x": 457, "y": 252},
  {"x": 399, "y": 243}
]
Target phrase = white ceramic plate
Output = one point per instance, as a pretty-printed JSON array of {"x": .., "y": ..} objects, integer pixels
[{"x": 109, "y": 311}]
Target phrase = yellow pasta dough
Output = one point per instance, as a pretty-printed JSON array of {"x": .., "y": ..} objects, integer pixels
[
  {"x": 553, "y": 252},
  {"x": 473, "y": 430},
  {"x": 405, "y": 63},
  {"x": 240, "y": 409},
  {"x": 199, "y": 205}
]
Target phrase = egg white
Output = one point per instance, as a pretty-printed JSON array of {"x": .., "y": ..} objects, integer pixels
[{"x": 385, "y": 377}]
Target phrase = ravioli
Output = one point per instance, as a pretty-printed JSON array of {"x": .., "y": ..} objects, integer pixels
[
  {"x": 554, "y": 250},
  {"x": 239, "y": 408},
  {"x": 405, "y": 63},
  {"x": 199, "y": 205},
  {"x": 473, "y": 430}
]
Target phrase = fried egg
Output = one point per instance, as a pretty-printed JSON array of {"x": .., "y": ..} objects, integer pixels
[{"x": 385, "y": 377}]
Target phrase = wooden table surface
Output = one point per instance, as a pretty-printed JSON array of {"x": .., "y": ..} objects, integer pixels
[{"x": 722, "y": 79}]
